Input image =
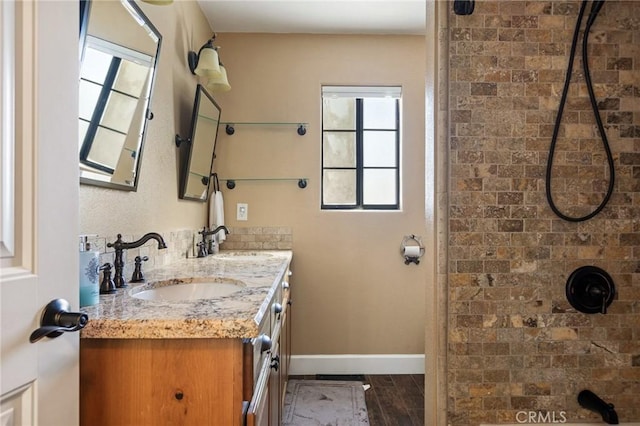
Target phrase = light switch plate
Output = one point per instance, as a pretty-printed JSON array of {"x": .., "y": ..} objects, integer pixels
[{"x": 242, "y": 211}]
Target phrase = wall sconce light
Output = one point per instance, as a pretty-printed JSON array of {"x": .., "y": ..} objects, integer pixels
[
  {"x": 205, "y": 63},
  {"x": 219, "y": 84}
]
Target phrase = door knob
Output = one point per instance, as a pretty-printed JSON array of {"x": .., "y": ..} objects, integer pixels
[{"x": 56, "y": 319}]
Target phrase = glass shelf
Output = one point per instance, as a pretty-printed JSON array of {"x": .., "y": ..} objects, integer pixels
[
  {"x": 203, "y": 178},
  {"x": 213, "y": 120},
  {"x": 230, "y": 126},
  {"x": 231, "y": 183}
]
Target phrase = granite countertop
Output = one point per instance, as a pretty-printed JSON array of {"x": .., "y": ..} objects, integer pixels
[{"x": 121, "y": 316}]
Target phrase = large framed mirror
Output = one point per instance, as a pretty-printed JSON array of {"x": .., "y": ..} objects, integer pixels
[
  {"x": 198, "y": 167},
  {"x": 119, "y": 55}
]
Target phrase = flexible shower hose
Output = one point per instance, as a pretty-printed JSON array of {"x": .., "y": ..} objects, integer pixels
[{"x": 595, "y": 9}]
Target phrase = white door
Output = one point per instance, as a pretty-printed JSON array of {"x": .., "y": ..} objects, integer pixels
[{"x": 39, "y": 192}]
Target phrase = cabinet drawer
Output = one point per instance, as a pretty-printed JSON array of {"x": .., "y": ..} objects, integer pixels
[{"x": 258, "y": 411}]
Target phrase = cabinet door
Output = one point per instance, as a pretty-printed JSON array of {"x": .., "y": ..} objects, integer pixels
[
  {"x": 258, "y": 413},
  {"x": 275, "y": 402},
  {"x": 285, "y": 337},
  {"x": 160, "y": 382},
  {"x": 285, "y": 353}
]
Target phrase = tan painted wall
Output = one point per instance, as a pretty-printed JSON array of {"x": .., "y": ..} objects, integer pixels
[
  {"x": 104, "y": 13},
  {"x": 155, "y": 206},
  {"x": 353, "y": 293}
]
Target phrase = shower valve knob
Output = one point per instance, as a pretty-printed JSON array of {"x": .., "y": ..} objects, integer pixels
[{"x": 590, "y": 290}]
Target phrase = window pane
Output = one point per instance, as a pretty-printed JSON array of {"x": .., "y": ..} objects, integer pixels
[
  {"x": 339, "y": 149},
  {"x": 379, "y": 113},
  {"x": 338, "y": 114},
  {"x": 339, "y": 187},
  {"x": 95, "y": 65},
  {"x": 379, "y": 186},
  {"x": 106, "y": 148},
  {"x": 379, "y": 149},
  {"x": 131, "y": 78},
  {"x": 119, "y": 112},
  {"x": 89, "y": 94}
]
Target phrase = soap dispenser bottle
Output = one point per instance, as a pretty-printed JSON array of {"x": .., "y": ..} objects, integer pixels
[{"x": 89, "y": 264}]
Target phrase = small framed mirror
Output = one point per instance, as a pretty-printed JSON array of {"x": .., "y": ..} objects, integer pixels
[
  {"x": 118, "y": 68},
  {"x": 198, "y": 167}
]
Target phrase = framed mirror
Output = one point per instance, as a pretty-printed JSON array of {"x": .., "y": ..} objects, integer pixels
[
  {"x": 119, "y": 55},
  {"x": 198, "y": 167}
]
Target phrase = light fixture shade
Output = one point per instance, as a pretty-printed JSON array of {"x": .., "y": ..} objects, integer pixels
[
  {"x": 208, "y": 63},
  {"x": 219, "y": 84}
]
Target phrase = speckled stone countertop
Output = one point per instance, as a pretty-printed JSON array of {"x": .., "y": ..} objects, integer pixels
[{"x": 238, "y": 315}]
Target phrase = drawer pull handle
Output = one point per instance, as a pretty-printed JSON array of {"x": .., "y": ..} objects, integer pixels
[
  {"x": 277, "y": 308},
  {"x": 265, "y": 343},
  {"x": 275, "y": 362}
]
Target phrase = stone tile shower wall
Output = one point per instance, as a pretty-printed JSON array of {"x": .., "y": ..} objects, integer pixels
[{"x": 515, "y": 343}]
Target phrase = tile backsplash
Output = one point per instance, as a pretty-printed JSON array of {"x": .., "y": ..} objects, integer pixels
[
  {"x": 180, "y": 244},
  {"x": 259, "y": 238}
]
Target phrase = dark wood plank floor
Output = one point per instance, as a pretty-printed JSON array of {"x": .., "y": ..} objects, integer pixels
[{"x": 393, "y": 400}]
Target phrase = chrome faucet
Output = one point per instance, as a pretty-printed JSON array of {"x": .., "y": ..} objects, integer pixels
[
  {"x": 119, "y": 246},
  {"x": 203, "y": 245}
]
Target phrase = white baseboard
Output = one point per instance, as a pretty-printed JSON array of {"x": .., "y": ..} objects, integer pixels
[{"x": 357, "y": 364}]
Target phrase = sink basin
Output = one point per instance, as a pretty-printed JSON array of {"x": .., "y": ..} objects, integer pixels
[{"x": 177, "y": 291}]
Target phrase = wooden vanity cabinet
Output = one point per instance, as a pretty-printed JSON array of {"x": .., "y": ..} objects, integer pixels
[
  {"x": 196, "y": 381},
  {"x": 161, "y": 381}
]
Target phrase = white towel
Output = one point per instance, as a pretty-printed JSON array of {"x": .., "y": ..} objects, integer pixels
[{"x": 216, "y": 214}]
